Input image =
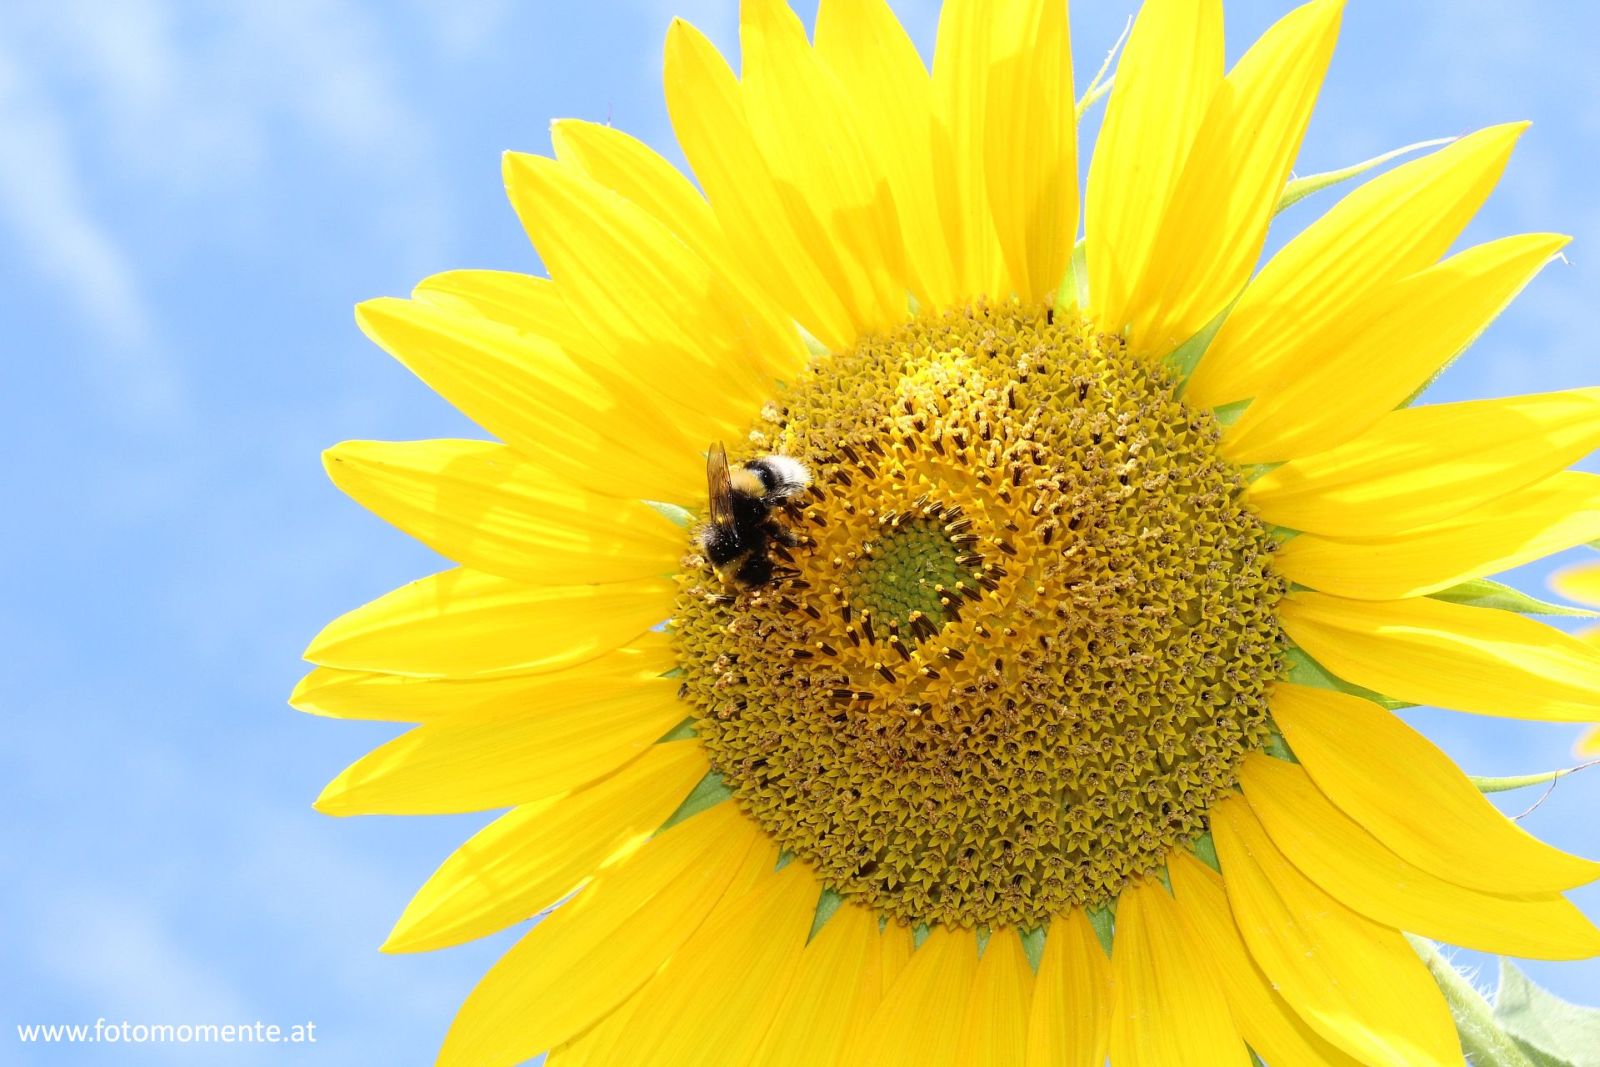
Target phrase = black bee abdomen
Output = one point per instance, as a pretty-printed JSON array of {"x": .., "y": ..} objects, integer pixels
[
  {"x": 748, "y": 511},
  {"x": 754, "y": 571},
  {"x": 722, "y": 544}
]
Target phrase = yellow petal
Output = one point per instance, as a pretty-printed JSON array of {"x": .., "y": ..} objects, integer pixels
[
  {"x": 1549, "y": 516},
  {"x": 961, "y": 76},
  {"x": 446, "y": 767},
  {"x": 1426, "y": 651},
  {"x": 1354, "y": 981},
  {"x": 461, "y": 624},
  {"x": 484, "y": 506},
  {"x": 714, "y": 999},
  {"x": 1215, "y": 225},
  {"x": 1167, "y": 1009},
  {"x": 1268, "y": 1024},
  {"x": 838, "y": 199},
  {"x": 1580, "y": 583},
  {"x": 1031, "y": 143},
  {"x": 995, "y": 1033},
  {"x": 915, "y": 1025},
  {"x": 1170, "y": 70},
  {"x": 890, "y": 93},
  {"x": 1351, "y": 865},
  {"x": 837, "y": 985},
  {"x": 616, "y": 1040},
  {"x": 522, "y": 301},
  {"x": 1068, "y": 1025},
  {"x": 897, "y": 945},
  {"x": 1411, "y": 796},
  {"x": 590, "y": 1048},
  {"x": 1392, "y": 226},
  {"x": 628, "y": 166},
  {"x": 345, "y": 694},
  {"x": 531, "y": 857},
  {"x": 654, "y": 308},
  {"x": 1425, "y": 465},
  {"x": 593, "y": 952},
  {"x": 708, "y": 116},
  {"x": 526, "y": 390},
  {"x": 1589, "y": 745},
  {"x": 1376, "y": 358}
]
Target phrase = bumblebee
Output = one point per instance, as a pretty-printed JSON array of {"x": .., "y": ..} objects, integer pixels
[{"x": 741, "y": 529}]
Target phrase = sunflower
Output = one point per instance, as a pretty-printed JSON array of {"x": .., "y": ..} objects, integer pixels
[
  {"x": 1064, "y": 727},
  {"x": 1582, "y": 583}
]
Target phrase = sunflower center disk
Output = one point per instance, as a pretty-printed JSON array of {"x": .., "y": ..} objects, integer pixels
[
  {"x": 908, "y": 571},
  {"x": 1031, "y": 635}
]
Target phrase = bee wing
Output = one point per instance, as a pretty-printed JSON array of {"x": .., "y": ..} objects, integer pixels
[{"x": 719, "y": 485}]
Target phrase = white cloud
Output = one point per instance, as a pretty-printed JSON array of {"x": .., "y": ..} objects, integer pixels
[
  {"x": 123, "y": 962},
  {"x": 44, "y": 202},
  {"x": 463, "y": 28},
  {"x": 191, "y": 97},
  {"x": 184, "y": 112}
]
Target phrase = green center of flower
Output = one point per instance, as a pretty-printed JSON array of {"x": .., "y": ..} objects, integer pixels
[
  {"x": 901, "y": 577},
  {"x": 1030, "y": 637}
]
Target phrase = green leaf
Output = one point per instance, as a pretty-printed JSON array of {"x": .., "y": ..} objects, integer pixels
[
  {"x": 710, "y": 792},
  {"x": 1482, "y": 1038},
  {"x": 1255, "y": 470},
  {"x": 1182, "y": 361},
  {"x": 673, "y": 513},
  {"x": 1483, "y": 593},
  {"x": 1206, "y": 849},
  {"x": 1506, "y": 784},
  {"x": 1300, "y": 188},
  {"x": 1277, "y": 747},
  {"x": 1093, "y": 96},
  {"x": 827, "y": 904},
  {"x": 1228, "y": 414},
  {"x": 1282, "y": 535},
  {"x": 1303, "y": 670},
  {"x": 813, "y": 346},
  {"x": 1102, "y": 920},
  {"x": 1522, "y": 781},
  {"x": 1549, "y": 1030},
  {"x": 681, "y": 732},
  {"x": 1100, "y": 84},
  {"x": 1073, "y": 292},
  {"x": 1033, "y": 946}
]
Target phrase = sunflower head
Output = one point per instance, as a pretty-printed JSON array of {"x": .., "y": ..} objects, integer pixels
[
  {"x": 1029, "y": 631},
  {"x": 1055, "y": 719}
]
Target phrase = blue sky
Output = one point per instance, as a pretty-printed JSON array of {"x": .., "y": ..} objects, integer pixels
[{"x": 192, "y": 196}]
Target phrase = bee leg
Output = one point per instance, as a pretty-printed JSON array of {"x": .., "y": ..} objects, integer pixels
[{"x": 787, "y": 537}]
